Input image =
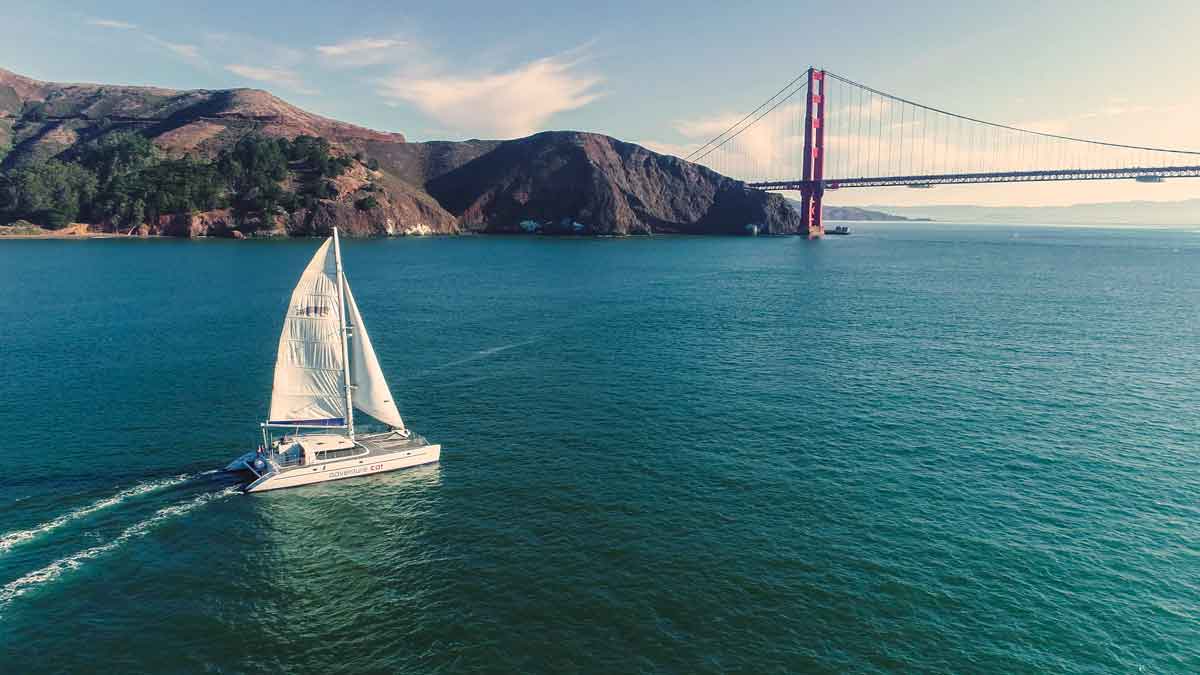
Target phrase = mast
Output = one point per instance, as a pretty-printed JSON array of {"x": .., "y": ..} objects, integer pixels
[{"x": 341, "y": 284}]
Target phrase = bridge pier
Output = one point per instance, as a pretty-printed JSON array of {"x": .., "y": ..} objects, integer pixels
[{"x": 812, "y": 223}]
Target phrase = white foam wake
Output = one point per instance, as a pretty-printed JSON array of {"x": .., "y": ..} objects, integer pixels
[
  {"x": 481, "y": 354},
  {"x": 11, "y": 539},
  {"x": 74, "y": 561}
]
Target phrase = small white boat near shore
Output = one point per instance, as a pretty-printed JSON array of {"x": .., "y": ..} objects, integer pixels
[{"x": 325, "y": 370}]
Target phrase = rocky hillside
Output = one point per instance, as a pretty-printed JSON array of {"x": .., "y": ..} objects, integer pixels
[
  {"x": 573, "y": 182},
  {"x": 42, "y": 119},
  {"x": 554, "y": 182}
]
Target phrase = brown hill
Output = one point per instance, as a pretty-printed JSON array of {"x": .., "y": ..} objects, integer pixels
[
  {"x": 198, "y": 120},
  {"x": 575, "y": 182},
  {"x": 40, "y": 120},
  {"x": 548, "y": 182}
]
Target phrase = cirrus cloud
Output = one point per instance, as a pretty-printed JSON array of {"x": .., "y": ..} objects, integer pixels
[
  {"x": 504, "y": 104},
  {"x": 283, "y": 77},
  {"x": 112, "y": 23},
  {"x": 186, "y": 52},
  {"x": 360, "y": 52}
]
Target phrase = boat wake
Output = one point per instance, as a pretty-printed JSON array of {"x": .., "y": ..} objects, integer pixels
[
  {"x": 11, "y": 539},
  {"x": 481, "y": 354},
  {"x": 18, "y": 587}
]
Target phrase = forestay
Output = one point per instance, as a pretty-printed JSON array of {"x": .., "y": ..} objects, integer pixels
[{"x": 310, "y": 379}]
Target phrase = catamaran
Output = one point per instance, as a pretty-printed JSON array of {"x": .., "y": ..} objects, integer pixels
[{"x": 326, "y": 369}]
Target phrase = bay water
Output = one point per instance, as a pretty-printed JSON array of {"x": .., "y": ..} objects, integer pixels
[{"x": 920, "y": 448}]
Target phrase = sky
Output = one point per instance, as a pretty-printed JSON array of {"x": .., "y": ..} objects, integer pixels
[{"x": 661, "y": 74}]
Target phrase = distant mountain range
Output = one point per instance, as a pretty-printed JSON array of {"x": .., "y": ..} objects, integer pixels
[
  {"x": 1179, "y": 213},
  {"x": 855, "y": 213}
]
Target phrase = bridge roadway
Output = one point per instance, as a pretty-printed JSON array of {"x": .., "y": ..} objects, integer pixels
[{"x": 1137, "y": 173}]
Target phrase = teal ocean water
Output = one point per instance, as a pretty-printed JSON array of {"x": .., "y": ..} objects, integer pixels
[{"x": 920, "y": 448}]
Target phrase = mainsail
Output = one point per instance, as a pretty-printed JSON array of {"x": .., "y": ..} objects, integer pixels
[
  {"x": 370, "y": 391},
  {"x": 310, "y": 375}
]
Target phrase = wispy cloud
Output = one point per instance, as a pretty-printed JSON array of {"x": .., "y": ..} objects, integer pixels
[
  {"x": 664, "y": 148},
  {"x": 112, "y": 23},
  {"x": 252, "y": 51},
  {"x": 504, "y": 104},
  {"x": 360, "y": 52},
  {"x": 283, "y": 77},
  {"x": 748, "y": 146},
  {"x": 1047, "y": 126},
  {"x": 185, "y": 51},
  {"x": 1116, "y": 110},
  {"x": 1115, "y": 107}
]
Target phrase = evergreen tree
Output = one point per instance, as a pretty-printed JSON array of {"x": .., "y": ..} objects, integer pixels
[
  {"x": 52, "y": 193},
  {"x": 123, "y": 178}
]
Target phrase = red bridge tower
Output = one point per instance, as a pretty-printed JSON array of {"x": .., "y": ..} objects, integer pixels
[{"x": 814, "y": 155}]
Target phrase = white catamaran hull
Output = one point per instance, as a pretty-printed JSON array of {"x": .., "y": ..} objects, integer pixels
[{"x": 350, "y": 467}]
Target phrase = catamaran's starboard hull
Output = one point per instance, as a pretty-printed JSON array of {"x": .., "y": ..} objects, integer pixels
[{"x": 349, "y": 468}]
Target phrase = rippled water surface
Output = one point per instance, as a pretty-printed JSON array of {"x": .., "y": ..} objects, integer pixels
[{"x": 919, "y": 448}]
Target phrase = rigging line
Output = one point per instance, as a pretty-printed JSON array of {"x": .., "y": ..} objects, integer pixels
[
  {"x": 1011, "y": 128},
  {"x": 748, "y": 115},
  {"x": 752, "y": 123}
]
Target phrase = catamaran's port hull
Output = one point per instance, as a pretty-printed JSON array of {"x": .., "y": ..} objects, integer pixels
[{"x": 349, "y": 468}]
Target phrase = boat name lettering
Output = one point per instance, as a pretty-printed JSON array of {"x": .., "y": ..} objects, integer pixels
[
  {"x": 356, "y": 470},
  {"x": 313, "y": 310}
]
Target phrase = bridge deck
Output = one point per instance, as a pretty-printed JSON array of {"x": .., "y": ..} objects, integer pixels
[{"x": 992, "y": 177}]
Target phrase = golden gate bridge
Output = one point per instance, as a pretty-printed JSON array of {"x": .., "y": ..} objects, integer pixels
[{"x": 822, "y": 131}]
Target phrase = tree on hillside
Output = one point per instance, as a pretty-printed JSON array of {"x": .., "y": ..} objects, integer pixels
[
  {"x": 33, "y": 111},
  {"x": 50, "y": 194},
  {"x": 254, "y": 167},
  {"x": 119, "y": 162},
  {"x": 312, "y": 155},
  {"x": 180, "y": 186},
  {"x": 124, "y": 179},
  {"x": 118, "y": 154}
]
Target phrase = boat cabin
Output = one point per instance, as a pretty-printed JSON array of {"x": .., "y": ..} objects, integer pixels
[{"x": 316, "y": 448}]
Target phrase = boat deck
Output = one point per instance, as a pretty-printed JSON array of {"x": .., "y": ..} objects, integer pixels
[
  {"x": 389, "y": 441},
  {"x": 376, "y": 444}
]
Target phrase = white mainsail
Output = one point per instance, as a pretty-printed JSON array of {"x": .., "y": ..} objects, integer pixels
[
  {"x": 370, "y": 392},
  {"x": 310, "y": 374}
]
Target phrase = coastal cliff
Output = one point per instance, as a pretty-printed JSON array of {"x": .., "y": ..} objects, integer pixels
[
  {"x": 573, "y": 182},
  {"x": 561, "y": 182}
]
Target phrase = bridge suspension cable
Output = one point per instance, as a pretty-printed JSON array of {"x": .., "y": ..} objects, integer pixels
[
  {"x": 873, "y": 138},
  {"x": 787, "y": 92}
]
